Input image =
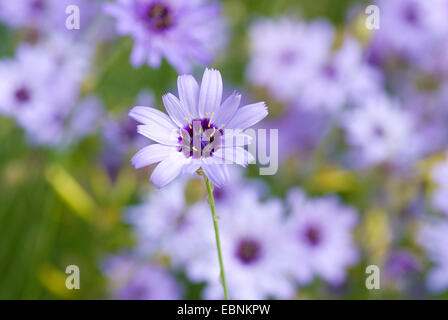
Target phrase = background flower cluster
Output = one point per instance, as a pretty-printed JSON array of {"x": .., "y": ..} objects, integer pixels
[{"x": 363, "y": 150}]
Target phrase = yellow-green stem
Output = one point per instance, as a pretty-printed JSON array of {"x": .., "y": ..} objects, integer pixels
[{"x": 215, "y": 224}]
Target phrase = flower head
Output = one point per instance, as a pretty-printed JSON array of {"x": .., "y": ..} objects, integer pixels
[
  {"x": 252, "y": 247},
  {"x": 285, "y": 53},
  {"x": 382, "y": 132},
  {"x": 180, "y": 31},
  {"x": 320, "y": 239},
  {"x": 132, "y": 279},
  {"x": 196, "y": 133},
  {"x": 433, "y": 237}
]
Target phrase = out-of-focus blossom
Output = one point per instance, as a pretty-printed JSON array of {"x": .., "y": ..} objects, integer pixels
[
  {"x": 428, "y": 108},
  {"x": 139, "y": 280},
  {"x": 285, "y": 54},
  {"x": 40, "y": 88},
  {"x": 433, "y": 237},
  {"x": 120, "y": 134},
  {"x": 193, "y": 135},
  {"x": 180, "y": 31},
  {"x": 410, "y": 29},
  {"x": 440, "y": 177},
  {"x": 59, "y": 128},
  {"x": 300, "y": 131},
  {"x": 252, "y": 241},
  {"x": 380, "y": 132},
  {"x": 157, "y": 219},
  {"x": 320, "y": 238},
  {"x": 401, "y": 263},
  {"x": 47, "y": 16},
  {"x": 344, "y": 78}
]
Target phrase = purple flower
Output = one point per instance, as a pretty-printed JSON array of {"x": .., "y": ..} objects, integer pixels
[
  {"x": 320, "y": 241},
  {"x": 401, "y": 263},
  {"x": 344, "y": 77},
  {"x": 180, "y": 31},
  {"x": 411, "y": 29},
  {"x": 132, "y": 279},
  {"x": 440, "y": 177},
  {"x": 380, "y": 131},
  {"x": 40, "y": 88},
  {"x": 252, "y": 248},
  {"x": 158, "y": 219},
  {"x": 46, "y": 15},
  {"x": 286, "y": 53},
  {"x": 433, "y": 237},
  {"x": 193, "y": 134}
]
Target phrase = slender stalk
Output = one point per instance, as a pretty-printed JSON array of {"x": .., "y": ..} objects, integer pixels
[{"x": 215, "y": 224}]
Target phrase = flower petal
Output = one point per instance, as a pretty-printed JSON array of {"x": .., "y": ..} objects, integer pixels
[
  {"x": 146, "y": 115},
  {"x": 159, "y": 133},
  {"x": 236, "y": 155},
  {"x": 227, "y": 110},
  {"x": 167, "y": 170},
  {"x": 188, "y": 90},
  {"x": 235, "y": 138},
  {"x": 248, "y": 115},
  {"x": 151, "y": 154},
  {"x": 175, "y": 110},
  {"x": 211, "y": 93},
  {"x": 217, "y": 173}
]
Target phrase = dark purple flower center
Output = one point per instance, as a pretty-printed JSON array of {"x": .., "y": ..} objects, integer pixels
[
  {"x": 248, "y": 251},
  {"x": 378, "y": 131},
  {"x": 37, "y": 5},
  {"x": 199, "y": 139},
  {"x": 159, "y": 16},
  {"x": 411, "y": 14},
  {"x": 329, "y": 71},
  {"x": 288, "y": 57},
  {"x": 22, "y": 95},
  {"x": 313, "y": 235}
]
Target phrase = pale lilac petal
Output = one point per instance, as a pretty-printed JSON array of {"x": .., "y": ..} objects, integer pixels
[
  {"x": 211, "y": 93},
  {"x": 248, "y": 116},
  {"x": 217, "y": 173},
  {"x": 191, "y": 168},
  {"x": 138, "y": 55},
  {"x": 167, "y": 170},
  {"x": 174, "y": 108},
  {"x": 236, "y": 155},
  {"x": 188, "y": 90},
  {"x": 151, "y": 154},
  {"x": 160, "y": 134},
  {"x": 235, "y": 138},
  {"x": 146, "y": 115},
  {"x": 227, "y": 110}
]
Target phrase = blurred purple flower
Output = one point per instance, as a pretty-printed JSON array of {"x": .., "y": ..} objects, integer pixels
[
  {"x": 411, "y": 29},
  {"x": 320, "y": 240},
  {"x": 433, "y": 237},
  {"x": 135, "y": 280},
  {"x": 252, "y": 248},
  {"x": 47, "y": 16},
  {"x": 40, "y": 88},
  {"x": 197, "y": 114},
  {"x": 380, "y": 131},
  {"x": 158, "y": 218},
  {"x": 401, "y": 263},
  {"x": 285, "y": 54},
  {"x": 344, "y": 78},
  {"x": 180, "y": 31}
]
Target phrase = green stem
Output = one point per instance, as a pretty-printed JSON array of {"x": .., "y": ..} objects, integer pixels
[{"x": 215, "y": 224}]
